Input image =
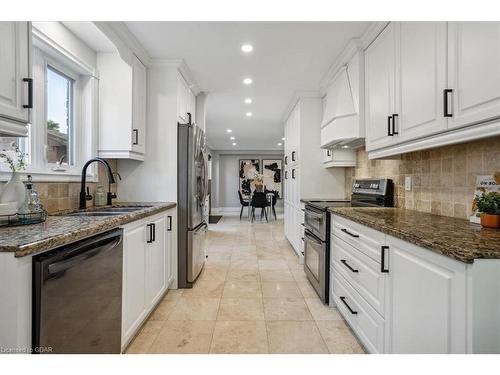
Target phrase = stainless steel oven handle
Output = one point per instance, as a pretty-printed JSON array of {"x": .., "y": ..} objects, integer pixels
[{"x": 312, "y": 239}]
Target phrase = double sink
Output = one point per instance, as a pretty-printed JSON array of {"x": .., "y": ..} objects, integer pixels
[{"x": 108, "y": 211}]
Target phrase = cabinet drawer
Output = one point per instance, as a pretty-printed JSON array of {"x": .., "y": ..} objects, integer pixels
[
  {"x": 362, "y": 272},
  {"x": 364, "y": 320},
  {"x": 364, "y": 239}
]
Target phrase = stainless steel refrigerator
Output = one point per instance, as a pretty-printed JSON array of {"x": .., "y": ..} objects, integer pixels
[{"x": 192, "y": 190}]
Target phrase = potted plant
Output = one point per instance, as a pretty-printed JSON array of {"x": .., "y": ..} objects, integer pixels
[{"x": 489, "y": 206}]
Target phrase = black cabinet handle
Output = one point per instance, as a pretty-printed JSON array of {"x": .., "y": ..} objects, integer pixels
[
  {"x": 347, "y": 305},
  {"x": 154, "y": 232},
  {"x": 150, "y": 226},
  {"x": 349, "y": 233},
  {"x": 303, "y": 239},
  {"x": 169, "y": 227},
  {"x": 445, "y": 103},
  {"x": 389, "y": 131},
  {"x": 136, "y": 136},
  {"x": 30, "y": 92},
  {"x": 348, "y": 266},
  {"x": 293, "y": 174},
  {"x": 293, "y": 155},
  {"x": 286, "y": 160},
  {"x": 382, "y": 260},
  {"x": 328, "y": 153},
  {"x": 394, "y": 117},
  {"x": 286, "y": 175}
]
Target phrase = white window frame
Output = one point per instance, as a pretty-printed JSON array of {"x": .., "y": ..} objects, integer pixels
[{"x": 85, "y": 116}]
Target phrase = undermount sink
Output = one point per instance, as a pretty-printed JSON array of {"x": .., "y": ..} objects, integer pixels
[{"x": 108, "y": 211}]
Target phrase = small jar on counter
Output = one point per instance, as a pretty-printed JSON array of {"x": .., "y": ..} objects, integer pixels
[{"x": 100, "y": 196}]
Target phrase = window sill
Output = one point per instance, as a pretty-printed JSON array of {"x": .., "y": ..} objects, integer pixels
[{"x": 48, "y": 176}]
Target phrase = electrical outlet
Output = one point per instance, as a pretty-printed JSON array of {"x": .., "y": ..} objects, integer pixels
[{"x": 408, "y": 183}]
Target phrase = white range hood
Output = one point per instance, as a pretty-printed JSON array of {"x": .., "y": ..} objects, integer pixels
[{"x": 343, "y": 115}]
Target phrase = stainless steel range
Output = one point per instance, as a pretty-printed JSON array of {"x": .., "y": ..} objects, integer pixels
[{"x": 365, "y": 193}]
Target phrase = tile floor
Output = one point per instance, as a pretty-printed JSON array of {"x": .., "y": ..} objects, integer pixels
[{"x": 252, "y": 297}]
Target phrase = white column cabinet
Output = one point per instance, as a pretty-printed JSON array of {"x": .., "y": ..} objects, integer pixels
[
  {"x": 186, "y": 101},
  {"x": 139, "y": 79},
  {"x": 15, "y": 72},
  {"x": 473, "y": 71},
  {"x": 380, "y": 76}
]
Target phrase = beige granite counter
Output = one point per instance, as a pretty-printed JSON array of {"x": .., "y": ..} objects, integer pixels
[
  {"x": 455, "y": 238},
  {"x": 60, "y": 229}
]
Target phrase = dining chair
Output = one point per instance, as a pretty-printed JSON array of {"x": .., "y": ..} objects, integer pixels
[
  {"x": 244, "y": 203},
  {"x": 259, "y": 200}
]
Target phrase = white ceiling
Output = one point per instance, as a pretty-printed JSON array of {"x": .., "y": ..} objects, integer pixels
[{"x": 287, "y": 57}]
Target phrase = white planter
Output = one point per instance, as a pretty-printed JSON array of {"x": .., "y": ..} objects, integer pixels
[{"x": 13, "y": 191}]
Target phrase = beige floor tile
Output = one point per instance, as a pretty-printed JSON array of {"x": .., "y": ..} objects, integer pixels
[
  {"x": 243, "y": 275},
  {"x": 280, "y": 289},
  {"x": 338, "y": 337},
  {"x": 195, "y": 309},
  {"x": 173, "y": 294},
  {"x": 240, "y": 337},
  {"x": 243, "y": 264},
  {"x": 241, "y": 309},
  {"x": 187, "y": 337},
  {"x": 163, "y": 310},
  {"x": 276, "y": 275},
  {"x": 320, "y": 311},
  {"x": 272, "y": 265},
  {"x": 214, "y": 272},
  {"x": 145, "y": 338},
  {"x": 307, "y": 290},
  {"x": 242, "y": 289},
  {"x": 288, "y": 337},
  {"x": 299, "y": 275},
  {"x": 286, "y": 309},
  {"x": 205, "y": 288}
]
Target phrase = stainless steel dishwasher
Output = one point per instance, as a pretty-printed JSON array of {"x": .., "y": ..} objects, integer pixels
[{"x": 77, "y": 296}]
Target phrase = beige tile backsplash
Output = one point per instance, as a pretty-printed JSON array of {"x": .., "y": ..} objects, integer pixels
[
  {"x": 443, "y": 179},
  {"x": 57, "y": 196}
]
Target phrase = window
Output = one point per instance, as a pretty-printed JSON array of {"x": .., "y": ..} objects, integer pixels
[{"x": 60, "y": 118}]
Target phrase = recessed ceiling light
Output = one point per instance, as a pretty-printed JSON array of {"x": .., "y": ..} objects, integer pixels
[
  {"x": 232, "y": 138},
  {"x": 229, "y": 130},
  {"x": 247, "y": 81},
  {"x": 280, "y": 144},
  {"x": 234, "y": 143},
  {"x": 345, "y": 146},
  {"x": 283, "y": 138},
  {"x": 248, "y": 101},
  {"x": 247, "y": 48},
  {"x": 249, "y": 114}
]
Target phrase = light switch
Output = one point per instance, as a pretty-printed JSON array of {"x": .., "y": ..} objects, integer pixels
[{"x": 408, "y": 183}]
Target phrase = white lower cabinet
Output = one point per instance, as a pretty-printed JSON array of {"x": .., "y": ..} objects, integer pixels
[
  {"x": 147, "y": 269},
  {"x": 401, "y": 298}
]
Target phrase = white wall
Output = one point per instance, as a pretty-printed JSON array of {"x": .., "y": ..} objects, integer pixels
[{"x": 225, "y": 175}]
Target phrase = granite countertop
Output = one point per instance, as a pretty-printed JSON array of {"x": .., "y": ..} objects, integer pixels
[
  {"x": 60, "y": 229},
  {"x": 455, "y": 238}
]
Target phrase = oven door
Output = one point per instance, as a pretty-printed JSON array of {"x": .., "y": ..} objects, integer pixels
[
  {"x": 315, "y": 222},
  {"x": 315, "y": 258}
]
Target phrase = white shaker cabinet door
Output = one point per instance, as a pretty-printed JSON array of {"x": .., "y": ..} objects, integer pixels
[
  {"x": 422, "y": 79},
  {"x": 14, "y": 68},
  {"x": 473, "y": 72},
  {"x": 380, "y": 74},
  {"x": 427, "y": 308},
  {"x": 134, "y": 281},
  {"x": 138, "y": 106},
  {"x": 156, "y": 268}
]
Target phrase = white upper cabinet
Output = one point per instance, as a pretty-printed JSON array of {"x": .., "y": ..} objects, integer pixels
[
  {"x": 424, "y": 79},
  {"x": 473, "y": 72},
  {"x": 16, "y": 87},
  {"x": 421, "y": 79},
  {"x": 186, "y": 102},
  {"x": 380, "y": 76},
  {"x": 122, "y": 107}
]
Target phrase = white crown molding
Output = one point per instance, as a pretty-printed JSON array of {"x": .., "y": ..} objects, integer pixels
[
  {"x": 182, "y": 67},
  {"x": 295, "y": 98},
  {"x": 125, "y": 42},
  {"x": 372, "y": 32}
]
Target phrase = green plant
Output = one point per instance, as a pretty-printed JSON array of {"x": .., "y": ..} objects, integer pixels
[
  {"x": 15, "y": 158},
  {"x": 488, "y": 203}
]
